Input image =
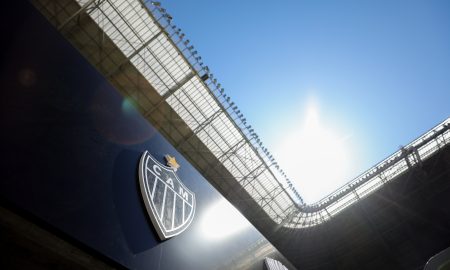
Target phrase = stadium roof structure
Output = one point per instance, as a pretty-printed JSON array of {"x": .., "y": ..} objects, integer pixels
[{"x": 145, "y": 56}]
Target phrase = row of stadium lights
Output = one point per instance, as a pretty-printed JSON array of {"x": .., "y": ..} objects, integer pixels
[{"x": 219, "y": 91}]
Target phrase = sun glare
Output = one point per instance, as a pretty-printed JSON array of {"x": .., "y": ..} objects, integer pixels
[
  {"x": 315, "y": 157},
  {"x": 222, "y": 220}
]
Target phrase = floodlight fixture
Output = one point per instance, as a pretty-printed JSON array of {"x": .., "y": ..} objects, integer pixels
[{"x": 204, "y": 77}]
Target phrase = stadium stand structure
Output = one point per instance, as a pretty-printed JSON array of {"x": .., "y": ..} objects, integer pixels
[{"x": 136, "y": 46}]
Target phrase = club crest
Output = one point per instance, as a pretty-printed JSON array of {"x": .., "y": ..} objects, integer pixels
[{"x": 170, "y": 204}]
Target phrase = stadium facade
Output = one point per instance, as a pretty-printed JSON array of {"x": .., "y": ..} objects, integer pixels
[{"x": 89, "y": 86}]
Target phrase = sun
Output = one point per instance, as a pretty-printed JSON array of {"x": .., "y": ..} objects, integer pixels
[{"x": 315, "y": 157}]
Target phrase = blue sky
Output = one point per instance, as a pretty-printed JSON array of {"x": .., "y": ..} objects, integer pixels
[{"x": 374, "y": 74}]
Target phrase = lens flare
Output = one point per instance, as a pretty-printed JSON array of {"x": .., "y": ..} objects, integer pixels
[{"x": 222, "y": 220}]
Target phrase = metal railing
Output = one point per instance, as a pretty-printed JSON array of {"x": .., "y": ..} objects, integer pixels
[{"x": 371, "y": 180}]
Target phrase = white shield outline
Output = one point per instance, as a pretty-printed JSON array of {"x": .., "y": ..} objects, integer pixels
[{"x": 163, "y": 232}]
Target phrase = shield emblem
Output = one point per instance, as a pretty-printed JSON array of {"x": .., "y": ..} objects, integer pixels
[{"x": 170, "y": 204}]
